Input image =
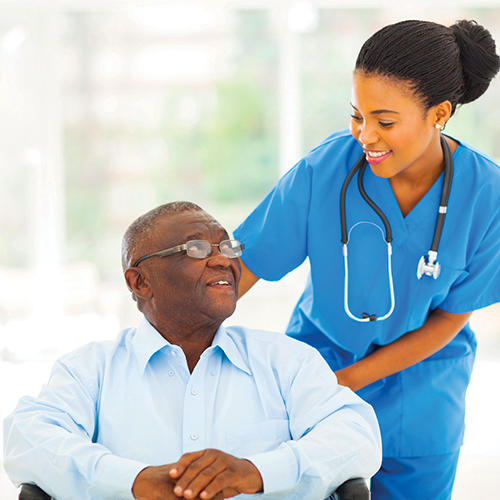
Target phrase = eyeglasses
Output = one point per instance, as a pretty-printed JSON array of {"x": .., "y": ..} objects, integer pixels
[{"x": 201, "y": 249}]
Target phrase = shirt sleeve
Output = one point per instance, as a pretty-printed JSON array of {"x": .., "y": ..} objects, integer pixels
[
  {"x": 480, "y": 285},
  {"x": 275, "y": 233},
  {"x": 335, "y": 436},
  {"x": 48, "y": 441}
]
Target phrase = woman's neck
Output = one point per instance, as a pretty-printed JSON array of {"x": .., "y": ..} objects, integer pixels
[{"x": 410, "y": 187}]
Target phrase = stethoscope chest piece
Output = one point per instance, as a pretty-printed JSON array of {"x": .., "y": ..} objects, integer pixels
[{"x": 428, "y": 266}]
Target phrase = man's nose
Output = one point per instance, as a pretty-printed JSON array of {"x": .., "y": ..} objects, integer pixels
[{"x": 217, "y": 258}]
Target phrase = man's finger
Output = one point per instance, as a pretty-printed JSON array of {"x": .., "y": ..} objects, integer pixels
[
  {"x": 154, "y": 482},
  {"x": 184, "y": 462},
  {"x": 202, "y": 478},
  {"x": 239, "y": 476},
  {"x": 222, "y": 482},
  {"x": 192, "y": 470}
]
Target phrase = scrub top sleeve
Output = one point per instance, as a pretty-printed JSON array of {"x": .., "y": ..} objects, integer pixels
[
  {"x": 480, "y": 286},
  {"x": 275, "y": 233}
]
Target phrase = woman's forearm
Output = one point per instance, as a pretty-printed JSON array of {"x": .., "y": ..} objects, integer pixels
[
  {"x": 439, "y": 329},
  {"x": 247, "y": 281}
]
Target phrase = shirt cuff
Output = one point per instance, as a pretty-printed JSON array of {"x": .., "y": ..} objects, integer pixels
[
  {"x": 278, "y": 469},
  {"x": 116, "y": 476}
]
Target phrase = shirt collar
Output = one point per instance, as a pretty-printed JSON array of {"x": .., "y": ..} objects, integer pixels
[
  {"x": 147, "y": 341},
  {"x": 225, "y": 341}
]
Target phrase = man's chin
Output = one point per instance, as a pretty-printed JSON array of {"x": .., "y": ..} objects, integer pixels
[{"x": 224, "y": 311}]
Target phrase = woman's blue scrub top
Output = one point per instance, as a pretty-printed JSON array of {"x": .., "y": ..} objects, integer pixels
[{"x": 421, "y": 409}]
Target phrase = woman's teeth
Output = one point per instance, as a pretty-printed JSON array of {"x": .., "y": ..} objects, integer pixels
[{"x": 376, "y": 154}]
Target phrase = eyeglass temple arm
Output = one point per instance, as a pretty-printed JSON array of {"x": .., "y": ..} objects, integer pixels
[
  {"x": 163, "y": 253},
  {"x": 170, "y": 251}
]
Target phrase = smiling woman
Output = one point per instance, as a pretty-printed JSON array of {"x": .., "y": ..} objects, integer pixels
[
  {"x": 412, "y": 364},
  {"x": 399, "y": 139}
]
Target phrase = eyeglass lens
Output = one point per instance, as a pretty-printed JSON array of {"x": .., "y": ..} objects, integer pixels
[{"x": 200, "y": 249}]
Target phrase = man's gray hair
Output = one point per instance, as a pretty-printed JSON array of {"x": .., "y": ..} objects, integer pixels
[{"x": 139, "y": 234}]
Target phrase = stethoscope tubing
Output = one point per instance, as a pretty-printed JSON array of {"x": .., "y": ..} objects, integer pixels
[
  {"x": 445, "y": 195},
  {"x": 361, "y": 165},
  {"x": 366, "y": 318},
  {"x": 343, "y": 216}
]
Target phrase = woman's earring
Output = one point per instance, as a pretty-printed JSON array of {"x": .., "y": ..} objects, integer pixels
[{"x": 438, "y": 126}]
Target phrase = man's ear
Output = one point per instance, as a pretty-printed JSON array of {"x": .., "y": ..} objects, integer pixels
[{"x": 138, "y": 283}]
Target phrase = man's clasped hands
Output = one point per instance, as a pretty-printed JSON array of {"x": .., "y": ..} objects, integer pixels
[{"x": 202, "y": 475}]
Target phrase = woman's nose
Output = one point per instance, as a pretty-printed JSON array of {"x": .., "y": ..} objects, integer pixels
[{"x": 367, "y": 135}]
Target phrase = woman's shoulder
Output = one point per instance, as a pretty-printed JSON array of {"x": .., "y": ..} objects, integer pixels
[
  {"x": 340, "y": 138},
  {"x": 467, "y": 152},
  {"x": 339, "y": 148},
  {"x": 476, "y": 167}
]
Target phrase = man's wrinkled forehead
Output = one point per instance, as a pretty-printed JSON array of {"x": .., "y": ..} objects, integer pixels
[{"x": 185, "y": 226}]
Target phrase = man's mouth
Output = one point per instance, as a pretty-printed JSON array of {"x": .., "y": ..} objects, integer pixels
[{"x": 221, "y": 283}]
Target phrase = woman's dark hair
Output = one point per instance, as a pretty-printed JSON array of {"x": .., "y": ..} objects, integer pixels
[{"x": 439, "y": 63}]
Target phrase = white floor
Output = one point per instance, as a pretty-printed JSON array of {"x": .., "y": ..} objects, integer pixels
[{"x": 268, "y": 306}]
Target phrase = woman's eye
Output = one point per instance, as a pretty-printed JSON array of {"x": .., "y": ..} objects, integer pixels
[
  {"x": 356, "y": 118},
  {"x": 386, "y": 124}
]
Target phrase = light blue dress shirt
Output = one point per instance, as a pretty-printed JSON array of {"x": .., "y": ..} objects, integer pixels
[{"x": 112, "y": 408}]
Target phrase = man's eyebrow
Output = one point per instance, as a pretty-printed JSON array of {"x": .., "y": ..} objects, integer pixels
[
  {"x": 200, "y": 236},
  {"x": 193, "y": 236},
  {"x": 378, "y": 111}
]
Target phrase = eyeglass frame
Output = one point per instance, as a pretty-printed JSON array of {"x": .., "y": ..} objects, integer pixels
[{"x": 183, "y": 248}]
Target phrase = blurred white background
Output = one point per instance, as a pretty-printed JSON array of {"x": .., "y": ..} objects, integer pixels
[{"x": 110, "y": 108}]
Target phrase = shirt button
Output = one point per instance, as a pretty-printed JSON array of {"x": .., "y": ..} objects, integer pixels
[
  {"x": 171, "y": 374},
  {"x": 194, "y": 437},
  {"x": 213, "y": 373},
  {"x": 194, "y": 391}
]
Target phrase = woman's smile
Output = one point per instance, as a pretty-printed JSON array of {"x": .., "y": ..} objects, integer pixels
[
  {"x": 376, "y": 157},
  {"x": 396, "y": 133}
]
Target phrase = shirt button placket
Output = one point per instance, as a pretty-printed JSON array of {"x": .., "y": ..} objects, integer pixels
[{"x": 194, "y": 412}]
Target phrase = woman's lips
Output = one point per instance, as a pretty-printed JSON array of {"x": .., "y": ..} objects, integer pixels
[{"x": 376, "y": 157}]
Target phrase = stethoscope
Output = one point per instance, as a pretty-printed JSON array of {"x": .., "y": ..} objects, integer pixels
[{"x": 427, "y": 264}]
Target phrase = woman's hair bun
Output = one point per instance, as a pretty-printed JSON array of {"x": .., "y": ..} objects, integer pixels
[
  {"x": 480, "y": 62},
  {"x": 439, "y": 63}
]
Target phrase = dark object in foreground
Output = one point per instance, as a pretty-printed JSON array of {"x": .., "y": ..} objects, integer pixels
[{"x": 354, "y": 489}]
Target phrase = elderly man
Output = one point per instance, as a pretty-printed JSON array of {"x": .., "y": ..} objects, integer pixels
[{"x": 182, "y": 407}]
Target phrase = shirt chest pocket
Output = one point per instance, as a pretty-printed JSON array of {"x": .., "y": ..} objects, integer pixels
[{"x": 258, "y": 437}]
